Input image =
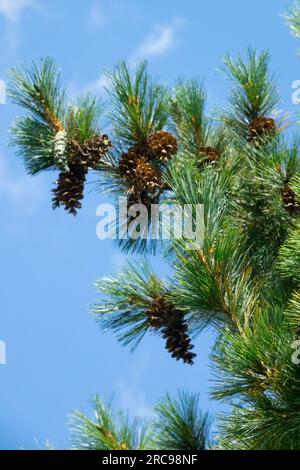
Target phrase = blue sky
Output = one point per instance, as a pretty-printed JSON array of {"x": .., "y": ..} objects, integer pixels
[{"x": 56, "y": 356}]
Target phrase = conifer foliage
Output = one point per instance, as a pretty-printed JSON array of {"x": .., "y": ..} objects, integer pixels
[
  {"x": 54, "y": 135},
  {"x": 243, "y": 165},
  {"x": 177, "y": 423}
]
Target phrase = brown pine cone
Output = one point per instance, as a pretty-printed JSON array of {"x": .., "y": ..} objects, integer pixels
[
  {"x": 128, "y": 162},
  {"x": 157, "y": 312},
  {"x": 291, "y": 205},
  {"x": 178, "y": 343},
  {"x": 146, "y": 177},
  {"x": 90, "y": 152},
  {"x": 210, "y": 156},
  {"x": 69, "y": 189},
  {"x": 94, "y": 148},
  {"x": 261, "y": 127},
  {"x": 163, "y": 145},
  {"x": 163, "y": 315}
]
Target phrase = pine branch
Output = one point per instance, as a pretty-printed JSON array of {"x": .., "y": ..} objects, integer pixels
[
  {"x": 106, "y": 431},
  {"x": 140, "y": 110},
  {"x": 256, "y": 373},
  {"x": 126, "y": 299},
  {"x": 214, "y": 282},
  {"x": 188, "y": 108},
  {"x": 83, "y": 118},
  {"x": 137, "y": 301},
  {"x": 35, "y": 142},
  {"x": 252, "y": 429},
  {"x": 292, "y": 313},
  {"x": 293, "y": 18},
  {"x": 38, "y": 90},
  {"x": 54, "y": 136},
  {"x": 140, "y": 104},
  {"x": 177, "y": 424},
  {"x": 260, "y": 200},
  {"x": 254, "y": 94},
  {"x": 197, "y": 133},
  {"x": 180, "y": 425},
  {"x": 289, "y": 256}
]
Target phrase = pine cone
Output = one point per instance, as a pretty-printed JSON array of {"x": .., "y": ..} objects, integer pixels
[
  {"x": 210, "y": 154},
  {"x": 157, "y": 312},
  {"x": 69, "y": 189},
  {"x": 178, "y": 342},
  {"x": 94, "y": 148},
  {"x": 128, "y": 163},
  {"x": 90, "y": 152},
  {"x": 146, "y": 177},
  {"x": 261, "y": 127},
  {"x": 165, "y": 316},
  {"x": 163, "y": 145},
  {"x": 291, "y": 205}
]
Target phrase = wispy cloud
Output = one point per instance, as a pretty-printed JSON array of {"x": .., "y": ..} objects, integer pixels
[
  {"x": 132, "y": 398},
  {"x": 131, "y": 395},
  {"x": 23, "y": 193},
  {"x": 97, "y": 86},
  {"x": 97, "y": 17},
  {"x": 12, "y": 11},
  {"x": 161, "y": 39}
]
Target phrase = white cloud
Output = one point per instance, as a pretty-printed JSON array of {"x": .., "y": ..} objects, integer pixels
[
  {"x": 160, "y": 40},
  {"x": 12, "y": 10},
  {"x": 131, "y": 392},
  {"x": 21, "y": 193},
  {"x": 97, "y": 86},
  {"x": 97, "y": 17},
  {"x": 131, "y": 398}
]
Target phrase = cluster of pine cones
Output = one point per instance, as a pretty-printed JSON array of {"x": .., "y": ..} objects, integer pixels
[
  {"x": 75, "y": 161},
  {"x": 141, "y": 165},
  {"x": 258, "y": 129},
  {"x": 163, "y": 315}
]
